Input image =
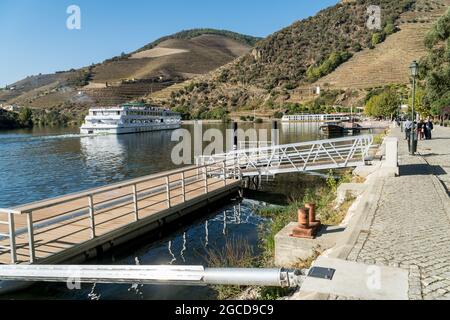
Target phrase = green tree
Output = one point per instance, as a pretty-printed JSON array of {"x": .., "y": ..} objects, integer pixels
[
  {"x": 384, "y": 104},
  {"x": 420, "y": 105},
  {"x": 25, "y": 117}
]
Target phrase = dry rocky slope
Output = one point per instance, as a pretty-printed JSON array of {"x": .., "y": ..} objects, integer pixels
[
  {"x": 154, "y": 67},
  {"x": 388, "y": 63},
  {"x": 285, "y": 66}
]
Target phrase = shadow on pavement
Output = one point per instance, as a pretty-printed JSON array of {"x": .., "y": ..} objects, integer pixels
[{"x": 421, "y": 169}]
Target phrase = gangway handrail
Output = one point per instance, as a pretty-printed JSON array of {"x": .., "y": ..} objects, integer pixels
[
  {"x": 299, "y": 157},
  {"x": 291, "y": 145}
]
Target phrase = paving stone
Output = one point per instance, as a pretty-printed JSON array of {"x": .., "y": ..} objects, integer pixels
[{"x": 411, "y": 228}]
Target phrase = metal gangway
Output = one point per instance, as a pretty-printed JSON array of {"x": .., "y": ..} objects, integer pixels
[{"x": 297, "y": 157}]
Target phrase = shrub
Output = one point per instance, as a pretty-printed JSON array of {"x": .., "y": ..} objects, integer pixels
[
  {"x": 278, "y": 115},
  {"x": 389, "y": 29},
  {"x": 377, "y": 38},
  {"x": 330, "y": 64}
]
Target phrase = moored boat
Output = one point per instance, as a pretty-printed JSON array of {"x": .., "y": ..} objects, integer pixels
[{"x": 129, "y": 118}]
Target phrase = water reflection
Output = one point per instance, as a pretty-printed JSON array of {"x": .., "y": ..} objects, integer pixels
[
  {"x": 37, "y": 165},
  {"x": 188, "y": 246},
  {"x": 292, "y": 132},
  {"x": 104, "y": 156}
]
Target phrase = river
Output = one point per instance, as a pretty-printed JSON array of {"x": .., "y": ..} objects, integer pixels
[{"x": 48, "y": 162}]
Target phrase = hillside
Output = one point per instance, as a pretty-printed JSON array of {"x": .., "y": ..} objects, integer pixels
[
  {"x": 168, "y": 60},
  {"x": 294, "y": 57},
  {"x": 389, "y": 61}
]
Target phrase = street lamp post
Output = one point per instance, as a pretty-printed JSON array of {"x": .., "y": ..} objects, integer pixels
[{"x": 413, "y": 138}]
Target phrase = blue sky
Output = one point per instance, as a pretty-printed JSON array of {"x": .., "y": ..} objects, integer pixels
[{"x": 35, "y": 39}]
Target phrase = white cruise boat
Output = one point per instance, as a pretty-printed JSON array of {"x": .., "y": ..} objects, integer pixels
[
  {"x": 315, "y": 117},
  {"x": 129, "y": 118}
]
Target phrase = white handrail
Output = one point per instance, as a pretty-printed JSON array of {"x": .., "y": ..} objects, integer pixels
[{"x": 297, "y": 157}]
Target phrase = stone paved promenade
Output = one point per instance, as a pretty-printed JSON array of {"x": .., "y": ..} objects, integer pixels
[{"x": 411, "y": 226}]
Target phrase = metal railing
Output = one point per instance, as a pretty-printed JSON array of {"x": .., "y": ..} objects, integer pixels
[
  {"x": 298, "y": 157},
  {"x": 93, "y": 209},
  {"x": 10, "y": 235}
]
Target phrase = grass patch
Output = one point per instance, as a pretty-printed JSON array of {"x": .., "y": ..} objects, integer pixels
[
  {"x": 237, "y": 253},
  {"x": 379, "y": 138},
  {"x": 279, "y": 217},
  {"x": 307, "y": 263}
]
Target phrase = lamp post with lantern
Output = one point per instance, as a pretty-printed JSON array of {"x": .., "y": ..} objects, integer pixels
[{"x": 414, "y": 67}]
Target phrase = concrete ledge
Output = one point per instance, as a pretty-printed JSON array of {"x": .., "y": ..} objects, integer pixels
[
  {"x": 350, "y": 189},
  {"x": 364, "y": 210},
  {"x": 365, "y": 171},
  {"x": 290, "y": 250},
  {"x": 360, "y": 281}
]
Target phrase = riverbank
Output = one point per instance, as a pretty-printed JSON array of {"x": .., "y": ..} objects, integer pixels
[
  {"x": 28, "y": 118},
  {"x": 237, "y": 252},
  {"x": 398, "y": 224}
]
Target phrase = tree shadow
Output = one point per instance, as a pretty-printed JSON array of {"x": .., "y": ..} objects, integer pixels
[
  {"x": 421, "y": 169},
  {"x": 434, "y": 155}
]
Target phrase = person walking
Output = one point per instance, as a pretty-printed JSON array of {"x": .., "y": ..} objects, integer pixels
[
  {"x": 408, "y": 127},
  {"x": 429, "y": 127},
  {"x": 421, "y": 130}
]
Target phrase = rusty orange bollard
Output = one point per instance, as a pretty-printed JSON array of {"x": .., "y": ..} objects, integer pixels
[
  {"x": 311, "y": 207},
  {"x": 307, "y": 224},
  {"x": 303, "y": 219}
]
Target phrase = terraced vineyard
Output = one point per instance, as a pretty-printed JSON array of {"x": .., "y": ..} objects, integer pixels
[{"x": 389, "y": 61}]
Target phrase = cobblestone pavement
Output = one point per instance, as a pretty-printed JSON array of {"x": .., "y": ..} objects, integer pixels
[
  {"x": 436, "y": 153},
  {"x": 411, "y": 227}
]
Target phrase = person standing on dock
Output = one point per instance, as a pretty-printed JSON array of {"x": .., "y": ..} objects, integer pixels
[
  {"x": 408, "y": 127},
  {"x": 429, "y": 127},
  {"x": 421, "y": 130}
]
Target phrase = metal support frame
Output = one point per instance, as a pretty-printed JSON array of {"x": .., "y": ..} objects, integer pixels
[
  {"x": 135, "y": 203},
  {"x": 169, "y": 204},
  {"x": 183, "y": 186},
  {"x": 298, "y": 157},
  {"x": 224, "y": 173},
  {"x": 32, "y": 252},
  {"x": 206, "y": 179},
  {"x": 92, "y": 215},
  {"x": 12, "y": 237}
]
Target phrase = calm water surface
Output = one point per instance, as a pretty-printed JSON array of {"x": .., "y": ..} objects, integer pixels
[{"x": 42, "y": 163}]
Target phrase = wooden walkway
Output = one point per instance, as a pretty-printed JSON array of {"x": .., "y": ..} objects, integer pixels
[{"x": 55, "y": 230}]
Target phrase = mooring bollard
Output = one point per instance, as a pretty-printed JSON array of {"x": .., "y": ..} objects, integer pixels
[
  {"x": 303, "y": 220},
  {"x": 307, "y": 224},
  {"x": 311, "y": 207}
]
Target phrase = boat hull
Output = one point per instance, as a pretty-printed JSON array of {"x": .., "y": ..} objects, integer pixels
[{"x": 126, "y": 130}]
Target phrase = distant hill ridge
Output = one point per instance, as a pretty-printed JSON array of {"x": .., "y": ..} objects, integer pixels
[
  {"x": 389, "y": 62},
  {"x": 193, "y": 33},
  {"x": 168, "y": 60},
  {"x": 294, "y": 57}
]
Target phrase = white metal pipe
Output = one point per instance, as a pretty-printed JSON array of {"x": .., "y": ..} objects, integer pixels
[{"x": 166, "y": 275}]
